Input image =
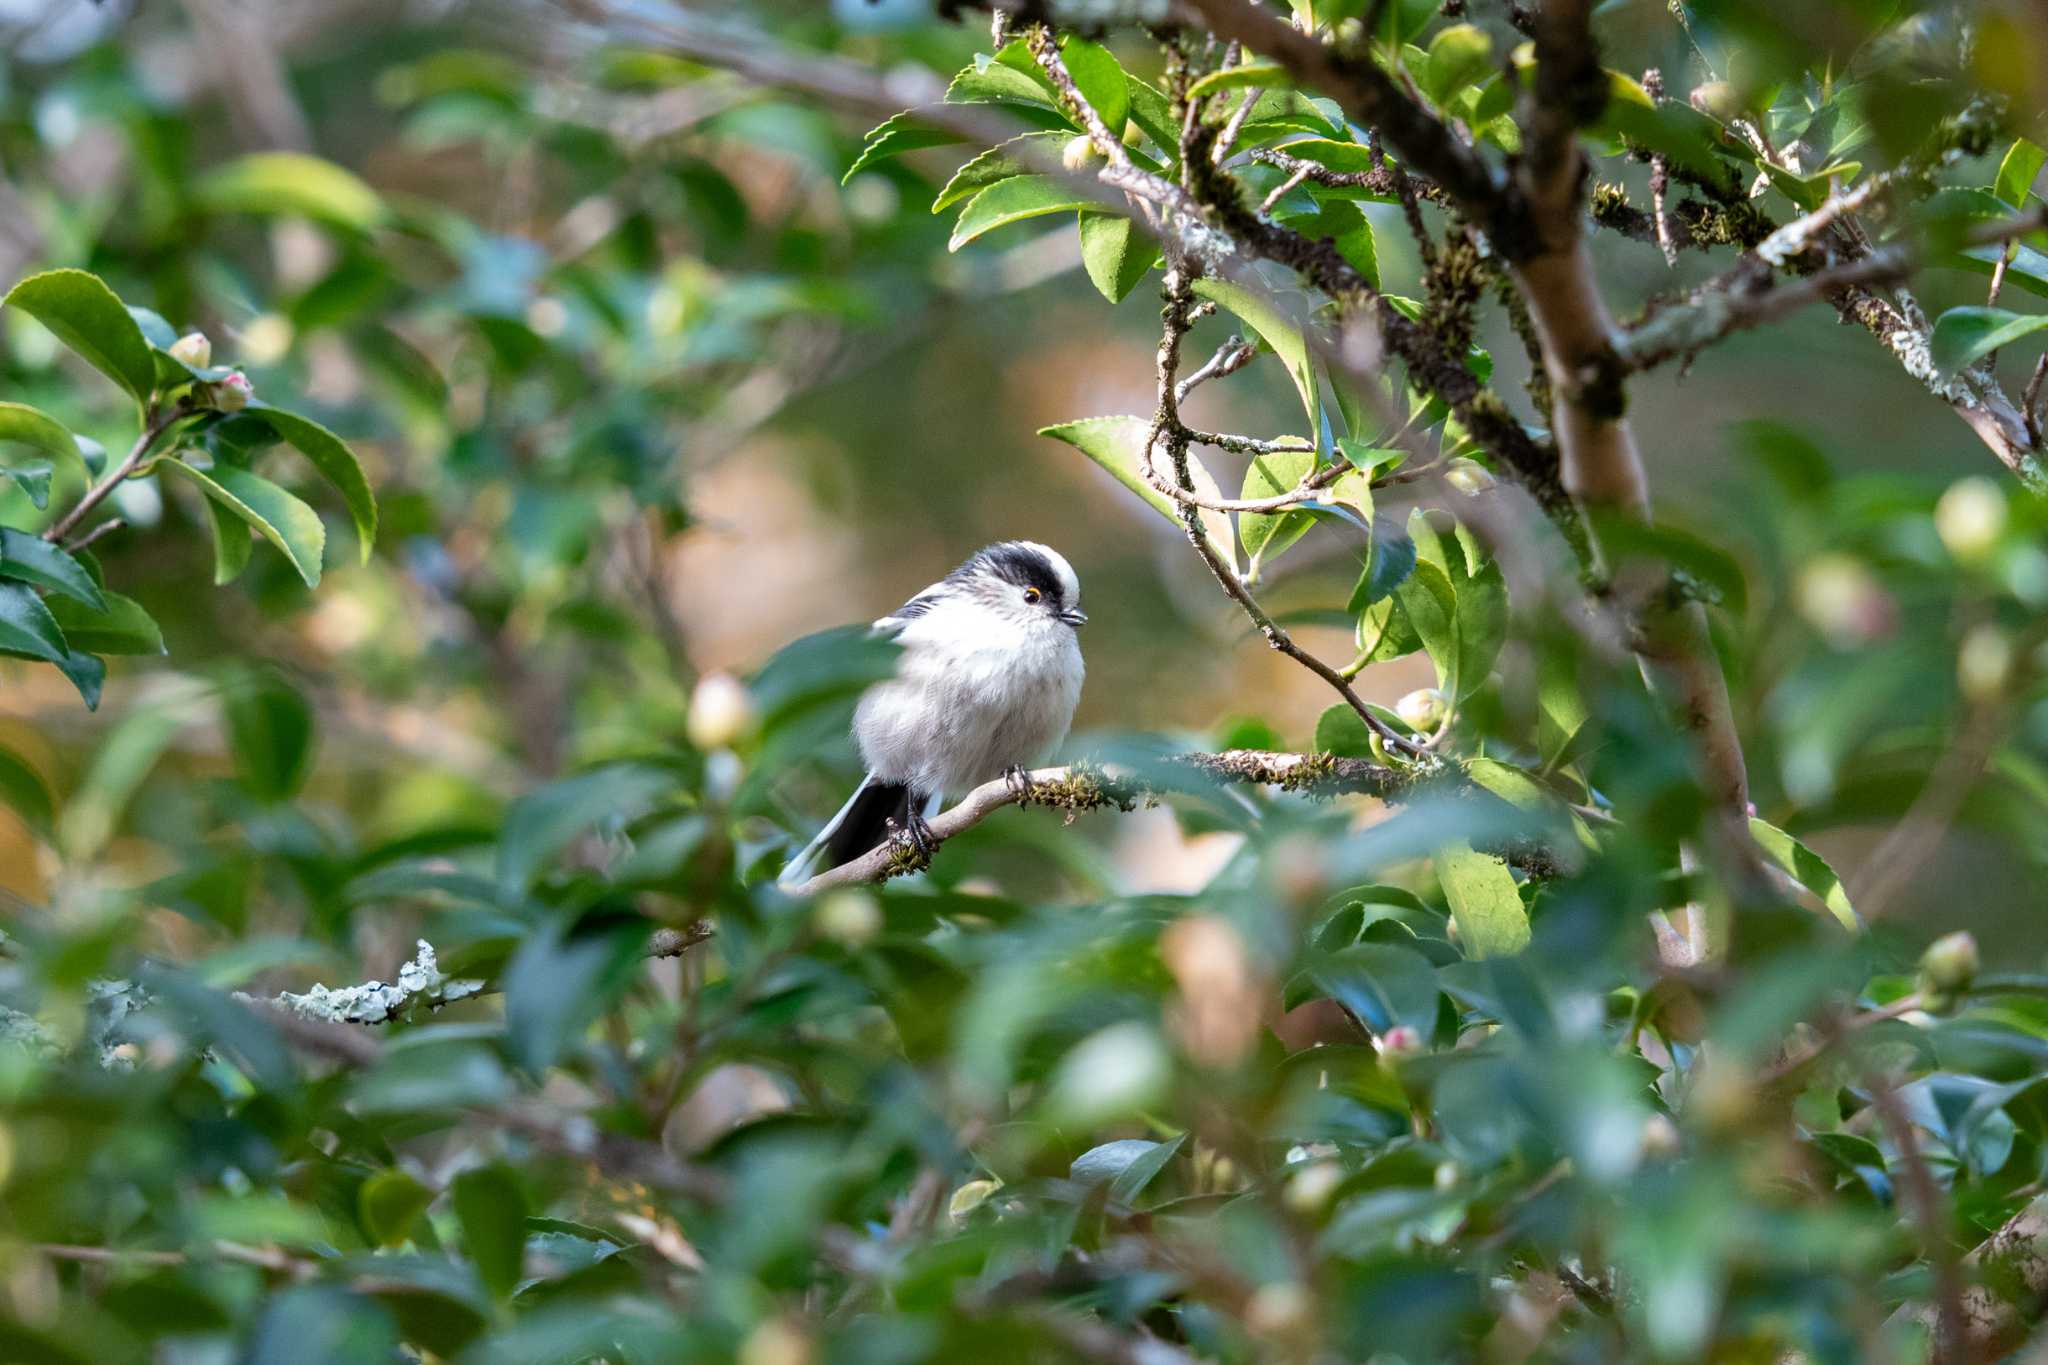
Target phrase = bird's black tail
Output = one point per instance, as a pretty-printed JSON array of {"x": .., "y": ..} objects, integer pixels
[{"x": 866, "y": 821}]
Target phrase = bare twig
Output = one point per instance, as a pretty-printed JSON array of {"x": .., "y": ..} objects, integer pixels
[
  {"x": 2030, "y": 402},
  {"x": 1232, "y": 356},
  {"x": 154, "y": 425}
]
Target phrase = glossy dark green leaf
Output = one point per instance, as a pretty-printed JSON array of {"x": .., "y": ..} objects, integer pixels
[
  {"x": 337, "y": 464},
  {"x": 490, "y": 1203},
  {"x": 26, "y": 626},
  {"x": 86, "y": 316},
  {"x": 1266, "y": 536},
  {"x": 26, "y": 794},
  {"x": 1963, "y": 336},
  {"x": 272, "y": 513},
  {"x": 123, "y": 628},
  {"x": 1013, "y": 201},
  {"x": 31, "y": 559},
  {"x": 40, "y": 431}
]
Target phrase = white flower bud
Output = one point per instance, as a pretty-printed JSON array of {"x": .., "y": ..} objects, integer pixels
[
  {"x": 1951, "y": 961},
  {"x": 193, "y": 349},
  {"x": 233, "y": 393},
  {"x": 849, "y": 918},
  {"x": 1983, "y": 663},
  {"x": 1970, "y": 518},
  {"x": 1661, "y": 1138},
  {"x": 1421, "y": 710},
  {"x": 1469, "y": 476},
  {"x": 721, "y": 712},
  {"x": 1309, "y": 1189},
  {"x": 1111, "y": 1075},
  {"x": 1079, "y": 153},
  {"x": 1840, "y": 597}
]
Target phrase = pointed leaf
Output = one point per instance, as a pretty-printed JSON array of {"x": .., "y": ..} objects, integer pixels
[
  {"x": 1484, "y": 901},
  {"x": 1012, "y": 201},
  {"x": 123, "y": 628},
  {"x": 490, "y": 1204},
  {"x": 23, "y": 791},
  {"x": 233, "y": 542},
  {"x": 292, "y": 183},
  {"x": 22, "y": 423},
  {"x": 389, "y": 1203},
  {"x": 1963, "y": 336},
  {"x": 995, "y": 165},
  {"x": 1807, "y": 868},
  {"x": 1116, "y": 253},
  {"x": 336, "y": 463},
  {"x": 1116, "y": 444},
  {"x": 1388, "y": 563},
  {"x": 1279, "y": 331},
  {"x": 26, "y": 626},
  {"x": 2017, "y": 172},
  {"x": 898, "y": 135},
  {"x": 35, "y": 560},
  {"x": 278, "y": 517},
  {"x": 1458, "y": 56},
  {"x": 33, "y": 479},
  {"x": 86, "y": 316},
  {"x": 1243, "y": 76},
  {"x": 1267, "y": 476}
]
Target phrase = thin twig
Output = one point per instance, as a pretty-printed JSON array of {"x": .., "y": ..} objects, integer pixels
[
  {"x": 105, "y": 528},
  {"x": 1232, "y": 356},
  {"x": 153, "y": 426},
  {"x": 1930, "y": 1214}
]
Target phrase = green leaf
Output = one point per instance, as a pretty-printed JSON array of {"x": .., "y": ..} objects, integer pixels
[
  {"x": 1807, "y": 868},
  {"x": 270, "y": 727},
  {"x": 1153, "y": 113},
  {"x": 1963, "y": 336},
  {"x": 233, "y": 542},
  {"x": 1267, "y": 535},
  {"x": 1389, "y": 561},
  {"x": 87, "y": 672},
  {"x": 86, "y": 316},
  {"x": 1279, "y": 331},
  {"x": 1116, "y": 443},
  {"x": 1484, "y": 901},
  {"x": 291, "y": 183},
  {"x": 898, "y": 135},
  {"x": 35, "y": 560},
  {"x": 22, "y": 423},
  {"x": 2018, "y": 171},
  {"x": 1688, "y": 137},
  {"x": 123, "y": 628},
  {"x": 33, "y": 479},
  {"x": 996, "y": 81},
  {"x": 1458, "y": 56},
  {"x": 277, "y": 516},
  {"x": 1430, "y": 605},
  {"x": 24, "y": 792},
  {"x": 1127, "y": 1165},
  {"x": 1482, "y": 626},
  {"x": 1341, "y": 731},
  {"x": 1012, "y": 201},
  {"x": 390, "y": 1202},
  {"x": 26, "y": 626},
  {"x": 995, "y": 165},
  {"x": 1116, "y": 253},
  {"x": 562, "y": 978},
  {"x": 544, "y": 822},
  {"x": 1243, "y": 76},
  {"x": 1100, "y": 79},
  {"x": 490, "y": 1203},
  {"x": 1383, "y": 984},
  {"x": 337, "y": 464}
]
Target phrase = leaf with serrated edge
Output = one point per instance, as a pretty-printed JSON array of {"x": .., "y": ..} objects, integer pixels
[
  {"x": 283, "y": 520},
  {"x": 1484, "y": 901},
  {"x": 1114, "y": 443}
]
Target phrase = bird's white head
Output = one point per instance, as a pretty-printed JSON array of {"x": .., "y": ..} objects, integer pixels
[{"x": 1026, "y": 582}]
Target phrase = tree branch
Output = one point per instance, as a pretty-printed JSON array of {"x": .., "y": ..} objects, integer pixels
[{"x": 1082, "y": 788}]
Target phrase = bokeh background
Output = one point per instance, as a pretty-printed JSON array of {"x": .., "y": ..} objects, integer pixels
[{"x": 646, "y": 392}]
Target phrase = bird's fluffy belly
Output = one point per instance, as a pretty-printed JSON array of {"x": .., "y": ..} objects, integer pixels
[{"x": 954, "y": 718}]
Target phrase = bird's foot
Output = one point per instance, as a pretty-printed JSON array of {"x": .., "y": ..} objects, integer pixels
[
  {"x": 915, "y": 837},
  {"x": 1019, "y": 781}
]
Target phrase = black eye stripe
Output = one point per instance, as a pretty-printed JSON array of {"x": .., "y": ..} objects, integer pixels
[{"x": 1017, "y": 564}]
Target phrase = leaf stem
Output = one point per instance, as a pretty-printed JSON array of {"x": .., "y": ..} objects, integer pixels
[{"x": 154, "y": 425}]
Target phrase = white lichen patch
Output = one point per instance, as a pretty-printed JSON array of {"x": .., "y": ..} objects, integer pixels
[{"x": 420, "y": 983}]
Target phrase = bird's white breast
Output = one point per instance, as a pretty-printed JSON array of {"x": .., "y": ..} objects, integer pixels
[{"x": 974, "y": 693}]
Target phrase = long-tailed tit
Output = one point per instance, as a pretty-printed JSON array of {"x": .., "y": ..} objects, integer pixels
[{"x": 985, "y": 685}]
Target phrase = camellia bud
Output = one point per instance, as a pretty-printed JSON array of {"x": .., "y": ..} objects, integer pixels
[
  {"x": 1983, "y": 663},
  {"x": 233, "y": 393},
  {"x": 1842, "y": 599},
  {"x": 1310, "y": 1188},
  {"x": 1660, "y": 1138},
  {"x": 721, "y": 712},
  {"x": 1723, "y": 1095},
  {"x": 1970, "y": 518},
  {"x": 1079, "y": 153},
  {"x": 777, "y": 1342},
  {"x": 1951, "y": 962},
  {"x": 1110, "y": 1075},
  {"x": 1720, "y": 99},
  {"x": 1280, "y": 1309},
  {"x": 193, "y": 349},
  {"x": 1421, "y": 710},
  {"x": 1399, "y": 1041},
  {"x": 1469, "y": 476},
  {"x": 848, "y": 918}
]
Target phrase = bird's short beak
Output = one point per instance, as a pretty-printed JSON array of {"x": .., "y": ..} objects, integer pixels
[{"x": 1074, "y": 618}]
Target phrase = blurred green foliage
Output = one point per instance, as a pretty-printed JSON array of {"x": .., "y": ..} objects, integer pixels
[{"x": 1323, "y": 1080}]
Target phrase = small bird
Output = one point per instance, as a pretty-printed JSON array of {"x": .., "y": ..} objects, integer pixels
[{"x": 986, "y": 684}]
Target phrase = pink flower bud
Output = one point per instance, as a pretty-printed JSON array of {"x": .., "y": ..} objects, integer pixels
[{"x": 233, "y": 393}]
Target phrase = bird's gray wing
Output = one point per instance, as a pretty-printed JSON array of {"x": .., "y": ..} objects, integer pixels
[{"x": 917, "y": 606}]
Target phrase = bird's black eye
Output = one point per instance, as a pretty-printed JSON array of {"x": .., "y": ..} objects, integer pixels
[{"x": 1032, "y": 595}]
